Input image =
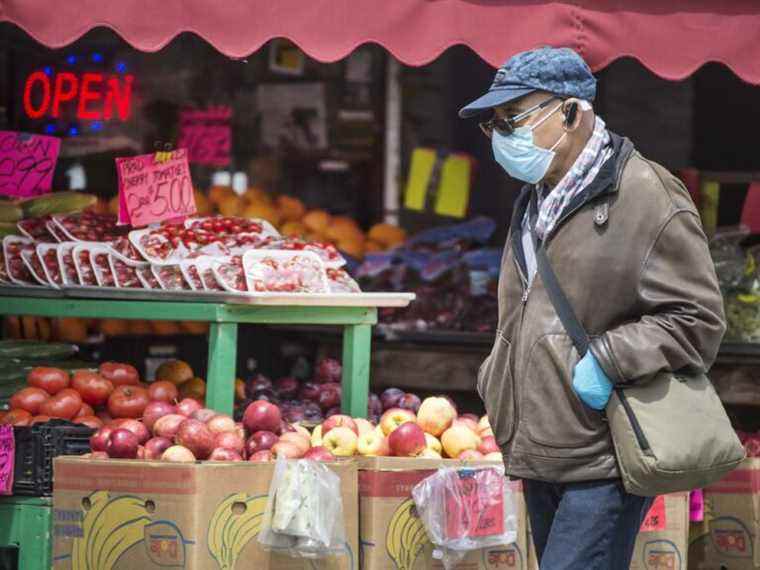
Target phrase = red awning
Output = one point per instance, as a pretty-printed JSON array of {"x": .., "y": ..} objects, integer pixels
[{"x": 670, "y": 37}]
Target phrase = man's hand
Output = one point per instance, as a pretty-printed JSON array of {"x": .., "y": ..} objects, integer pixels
[{"x": 591, "y": 383}]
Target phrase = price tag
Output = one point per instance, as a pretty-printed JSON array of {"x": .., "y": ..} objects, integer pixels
[
  {"x": 207, "y": 135},
  {"x": 154, "y": 188},
  {"x": 7, "y": 456},
  {"x": 656, "y": 519},
  {"x": 475, "y": 508},
  {"x": 27, "y": 163}
]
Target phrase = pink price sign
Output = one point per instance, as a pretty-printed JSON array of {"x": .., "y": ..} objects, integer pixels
[
  {"x": 153, "y": 188},
  {"x": 656, "y": 519},
  {"x": 27, "y": 163},
  {"x": 207, "y": 135},
  {"x": 7, "y": 456}
]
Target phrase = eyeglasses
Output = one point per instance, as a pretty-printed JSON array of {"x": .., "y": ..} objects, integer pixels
[{"x": 507, "y": 126}]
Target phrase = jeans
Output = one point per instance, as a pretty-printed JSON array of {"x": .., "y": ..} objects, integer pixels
[{"x": 584, "y": 526}]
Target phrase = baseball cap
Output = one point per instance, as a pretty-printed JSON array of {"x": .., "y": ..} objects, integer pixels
[{"x": 560, "y": 71}]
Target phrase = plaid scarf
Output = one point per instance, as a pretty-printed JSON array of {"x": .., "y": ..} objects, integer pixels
[{"x": 582, "y": 173}]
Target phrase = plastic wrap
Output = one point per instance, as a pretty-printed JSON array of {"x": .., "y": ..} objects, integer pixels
[
  {"x": 83, "y": 264},
  {"x": 124, "y": 251},
  {"x": 48, "y": 254},
  {"x": 147, "y": 278},
  {"x": 465, "y": 509},
  {"x": 170, "y": 277},
  {"x": 339, "y": 281},
  {"x": 191, "y": 274},
  {"x": 34, "y": 265},
  {"x": 36, "y": 229},
  {"x": 330, "y": 256},
  {"x": 229, "y": 273},
  {"x": 53, "y": 230},
  {"x": 206, "y": 271},
  {"x": 125, "y": 274},
  {"x": 15, "y": 267},
  {"x": 66, "y": 263},
  {"x": 284, "y": 272},
  {"x": 100, "y": 258},
  {"x": 88, "y": 226},
  {"x": 304, "y": 512}
]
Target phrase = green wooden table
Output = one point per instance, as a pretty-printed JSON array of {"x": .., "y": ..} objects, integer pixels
[{"x": 356, "y": 321}]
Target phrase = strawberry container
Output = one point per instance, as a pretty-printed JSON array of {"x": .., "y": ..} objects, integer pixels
[
  {"x": 48, "y": 255},
  {"x": 284, "y": 272},
  {"x": 34, "y": 265},
  {"x": 69, "y": 273},
  {"x": 15, "y": 267}
]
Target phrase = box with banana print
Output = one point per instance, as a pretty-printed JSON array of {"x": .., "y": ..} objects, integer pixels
[
  {"x": 393, "y": 537},
  {"x": 125, "y": 515}
]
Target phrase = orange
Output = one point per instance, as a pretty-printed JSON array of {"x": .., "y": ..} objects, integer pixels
[
  {"x": 114, "y": 327},
  {"x": 202, "y": 204},
  {"x": 165, "y": 328},
  {"x": 291, "y": 208},
  {"x": 353, "y": 247},
  {"x": 372, "y": 247},
  {"x": 263, "y": 211},
  {"x": 194, "y": 327},
  {"x": 293, "y": 229},
  {"x": 217, "y": 193},
  {"x": 387, "y": 235},
  {"x": 175, "y": 371},
  {"x": 71, "y": 330},
  {"x": 316, "y": 221},
  {"x": 230, "y": 205}
]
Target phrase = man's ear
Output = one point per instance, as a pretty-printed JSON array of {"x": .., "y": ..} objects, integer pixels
[{"x": 573, "y": 114}]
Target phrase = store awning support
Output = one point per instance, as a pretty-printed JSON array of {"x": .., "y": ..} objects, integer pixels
[{"x": 391, "y": 189}]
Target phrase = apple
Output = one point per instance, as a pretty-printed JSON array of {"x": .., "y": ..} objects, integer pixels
[
  {"x": 483, "y": 424},
  {"x": 293, "y": 411},
  {"x": 155, "y": 410},
  {"x": 459, "y": 438},
  {"x": 395, "y": 417},
  {"x": 224, "y": 454},
  {"x": 100, "y": 439},
  {"x": 488, "y": 445},
  {"x": 298, "y": 440},
  {"x": 195, "y": 435},
  {"x": 260, "y": 441},
  {"x": 471, "y": 455},
  {"x": 409, "y": 402},
  {"x": 204, "y": 414},
  {"x": 178, "y": 454},
  {"x": 373, "y": 444},
  {"x": 188, "y": 406},
  {"x": 374, "y": 405},
  {"x": 262, "y": 416},
  {"x": 309, "y": 391},
  {"x": 472, "y": 417},
  {"x": 230, "y": 440},
  {"x": 141, "y": 452},
  {"x": 257, "y": 383},
  {"x": 432, "y": 442},
  {"x": 123, "y": 444},
  {"x": 221, "y": 423},
  {"x": 328, "y": 370},
  {"x": 407, "y": 440},
  {"x": 312, "y": 412},
  {"x": 428, "y": 453},
  {"x": 316, "y": 436},
  {"x": 155, "y": 447},
  {"x": 263, "y": 455},
  {"x": 341, "y": 441},
  {"x": 337, "y": 421},
  {"x": 286, "y": 449},
  {"x": 286, "y": 388},
  {"x": 329, "y": 397},
  {"x": 436, "y": 415},
  {"x": 267, "y": 396},
  {"x": 285, "y": 427},
  {"x": 494, "y": 456},
  {"x": 302, "y": 430},
  {"x": 137, "y": 428},
  {"x": 98, "y": 455},
  {"x": 469, "y": 423},
  {"x": 167, "y": 426},
  {"x": 390, "y": 398},
  {"x": 333, "y": 412},
  {"x": 319, "y": 454},
  {"x": 363, "y": 426},
  {"x": 486, "y": 432}
]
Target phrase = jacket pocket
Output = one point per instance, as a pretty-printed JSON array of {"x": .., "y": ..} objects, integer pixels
[
  {"x": 554, "y": 415},
  {"x": 496, "y": 389}
]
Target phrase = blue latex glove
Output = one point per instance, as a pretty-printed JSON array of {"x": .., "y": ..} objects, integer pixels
[{"x": 591, "y": 383}]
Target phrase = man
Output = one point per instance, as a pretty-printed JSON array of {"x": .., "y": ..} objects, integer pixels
[{"x": 627, "y": 245}]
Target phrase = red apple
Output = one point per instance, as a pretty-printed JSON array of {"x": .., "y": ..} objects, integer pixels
[
  {"x": 329, "y": 397},
  {"x": 263, "y": 455},
  {"x": 123, "y": 444},
  {"x": 164, "y": 391},
  {"x": 328, "y": 370},
  {"x": 374, "y": 405},
  {"x": 333, "y": 412},
  {"x": 188, "y": 406},
  {"x": 155, "y": 410},
  {"x": 194, "y": 435},
  {"x": 257, "y": 383},
  {"x": 286, "y": 449},
  {"x": 141, "y": 452},
  {"x": 459, "y": 438},
  {"x": 312, "y": 412},
  {"x": 262, "y": 416},
  {"x": 309, "y": 391},
  {"x": 470, "y": 454},
  {"x": 488, "y": 445},
  {"x": 337, "y": 421},
  {"x": 319, "y": 454},
  {"x": 230, "y": 440},
  {"x": 410, "y": 402},
  {"x": 137, "y": 428},
  {"x": 260, "y": 441},
  {"x": 221, "y": 423},
  {"x": 224, "y": 454},
  {"x": 204, "y": 414},
  {"x": 178, "y": 454},
  {"x": 297, "y": 439},
  {"x": 373, "y": 444},
  {"x": 155, "y": 447},
  {"x": 394, "y": 418},
  {"x": 167, "y": 426},
  {"x": 469, "y": 423},
  {"x": 100, "y": 439},
  {"x": 390, "y": 398},
  {"x": 407, "y": 440},
  {"x": 436, "y": 415},
  {"x": 286, "y": 388},
  {"x": 363, "y": 426}
]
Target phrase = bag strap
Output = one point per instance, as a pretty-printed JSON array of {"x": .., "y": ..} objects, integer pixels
[{"x": 558, "y": 298}]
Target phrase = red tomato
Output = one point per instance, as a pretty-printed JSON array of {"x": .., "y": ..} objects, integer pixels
[
  {"x": 85, "y": 410},
  {"x": 92, "y": 386},
  {"x": 29, "y": 399},
  {"x": 65, "y": 404},
  {"x": 89, "y": 421},
  {"x": 164, "y": 391},
  {"x": 52, "y": 380},
  {"x": 128, "y": 402},
  {"x": 17, "y": 418},
  {"x": 120, "y": 374}
]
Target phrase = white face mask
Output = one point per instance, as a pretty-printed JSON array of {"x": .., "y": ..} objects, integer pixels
[{"x": 518, "y": 154}]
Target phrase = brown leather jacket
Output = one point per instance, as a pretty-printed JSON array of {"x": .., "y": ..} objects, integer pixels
[{"x": 633, "y": 260}]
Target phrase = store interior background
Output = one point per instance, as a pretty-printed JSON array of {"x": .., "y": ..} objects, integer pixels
[{"x": 706, "y": 122}]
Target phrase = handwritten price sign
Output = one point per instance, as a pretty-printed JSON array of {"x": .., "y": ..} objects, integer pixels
[
  {"x": 27, "y": 163},
  {"x": 207, "y": 135},
  {"x": 152, "y": 190},
  {"x": 7, "y": 456},
  {"x": 656, "y": 519}
]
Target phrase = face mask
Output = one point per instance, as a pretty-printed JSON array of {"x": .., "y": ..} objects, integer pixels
[{"x": 519, "y": 155}]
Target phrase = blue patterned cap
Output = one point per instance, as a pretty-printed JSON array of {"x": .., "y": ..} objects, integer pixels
[{"x": 560, "y": 71}]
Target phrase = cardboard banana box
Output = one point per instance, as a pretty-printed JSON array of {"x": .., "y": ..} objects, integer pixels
[
  {"x": 141, "y": 515},
  {"x": 393, "y": 537},
  {"x": 663, "y": 540}
]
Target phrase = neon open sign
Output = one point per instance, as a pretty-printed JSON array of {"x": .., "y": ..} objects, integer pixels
[{"x": 91, "y": 96}]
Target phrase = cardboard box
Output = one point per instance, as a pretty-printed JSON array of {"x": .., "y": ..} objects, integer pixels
[
  {"x": 730, "y": 535},
  {"x": 663, "y": 541},
  {"x": 125, "y": 515},
  {"x": 393, "y": 537}
]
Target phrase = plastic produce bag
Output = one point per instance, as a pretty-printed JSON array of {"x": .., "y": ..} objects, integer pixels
[
  {"x": 466, "y": 509},
  {"x": 304, "y": 513}
]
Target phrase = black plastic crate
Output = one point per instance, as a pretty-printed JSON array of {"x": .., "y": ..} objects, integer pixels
[{"x": 37, "y": 445}]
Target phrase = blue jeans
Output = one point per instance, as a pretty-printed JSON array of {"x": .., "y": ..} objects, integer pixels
[{"x": 584, "y": 526}]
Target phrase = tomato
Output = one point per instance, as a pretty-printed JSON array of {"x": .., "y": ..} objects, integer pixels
[
  {"x": 120, "y": 374},
  {"x": 65, "y": 404},
  {"x": 85, "y": 410},
  {"x": 92, "y": 386},
  {"x": 39, "y": 420},
  {"x": 29, "y": 399},
  {"x": 164, "y": 391},
  {"x": 128, "y": 401},
  {"x": 52, "y": 380},
  {"x": 89, "y": 421},
  {"x": 17, "y": 418}
]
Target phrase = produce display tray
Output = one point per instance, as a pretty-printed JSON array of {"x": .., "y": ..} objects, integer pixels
[{"x": 43, "y": 292}]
